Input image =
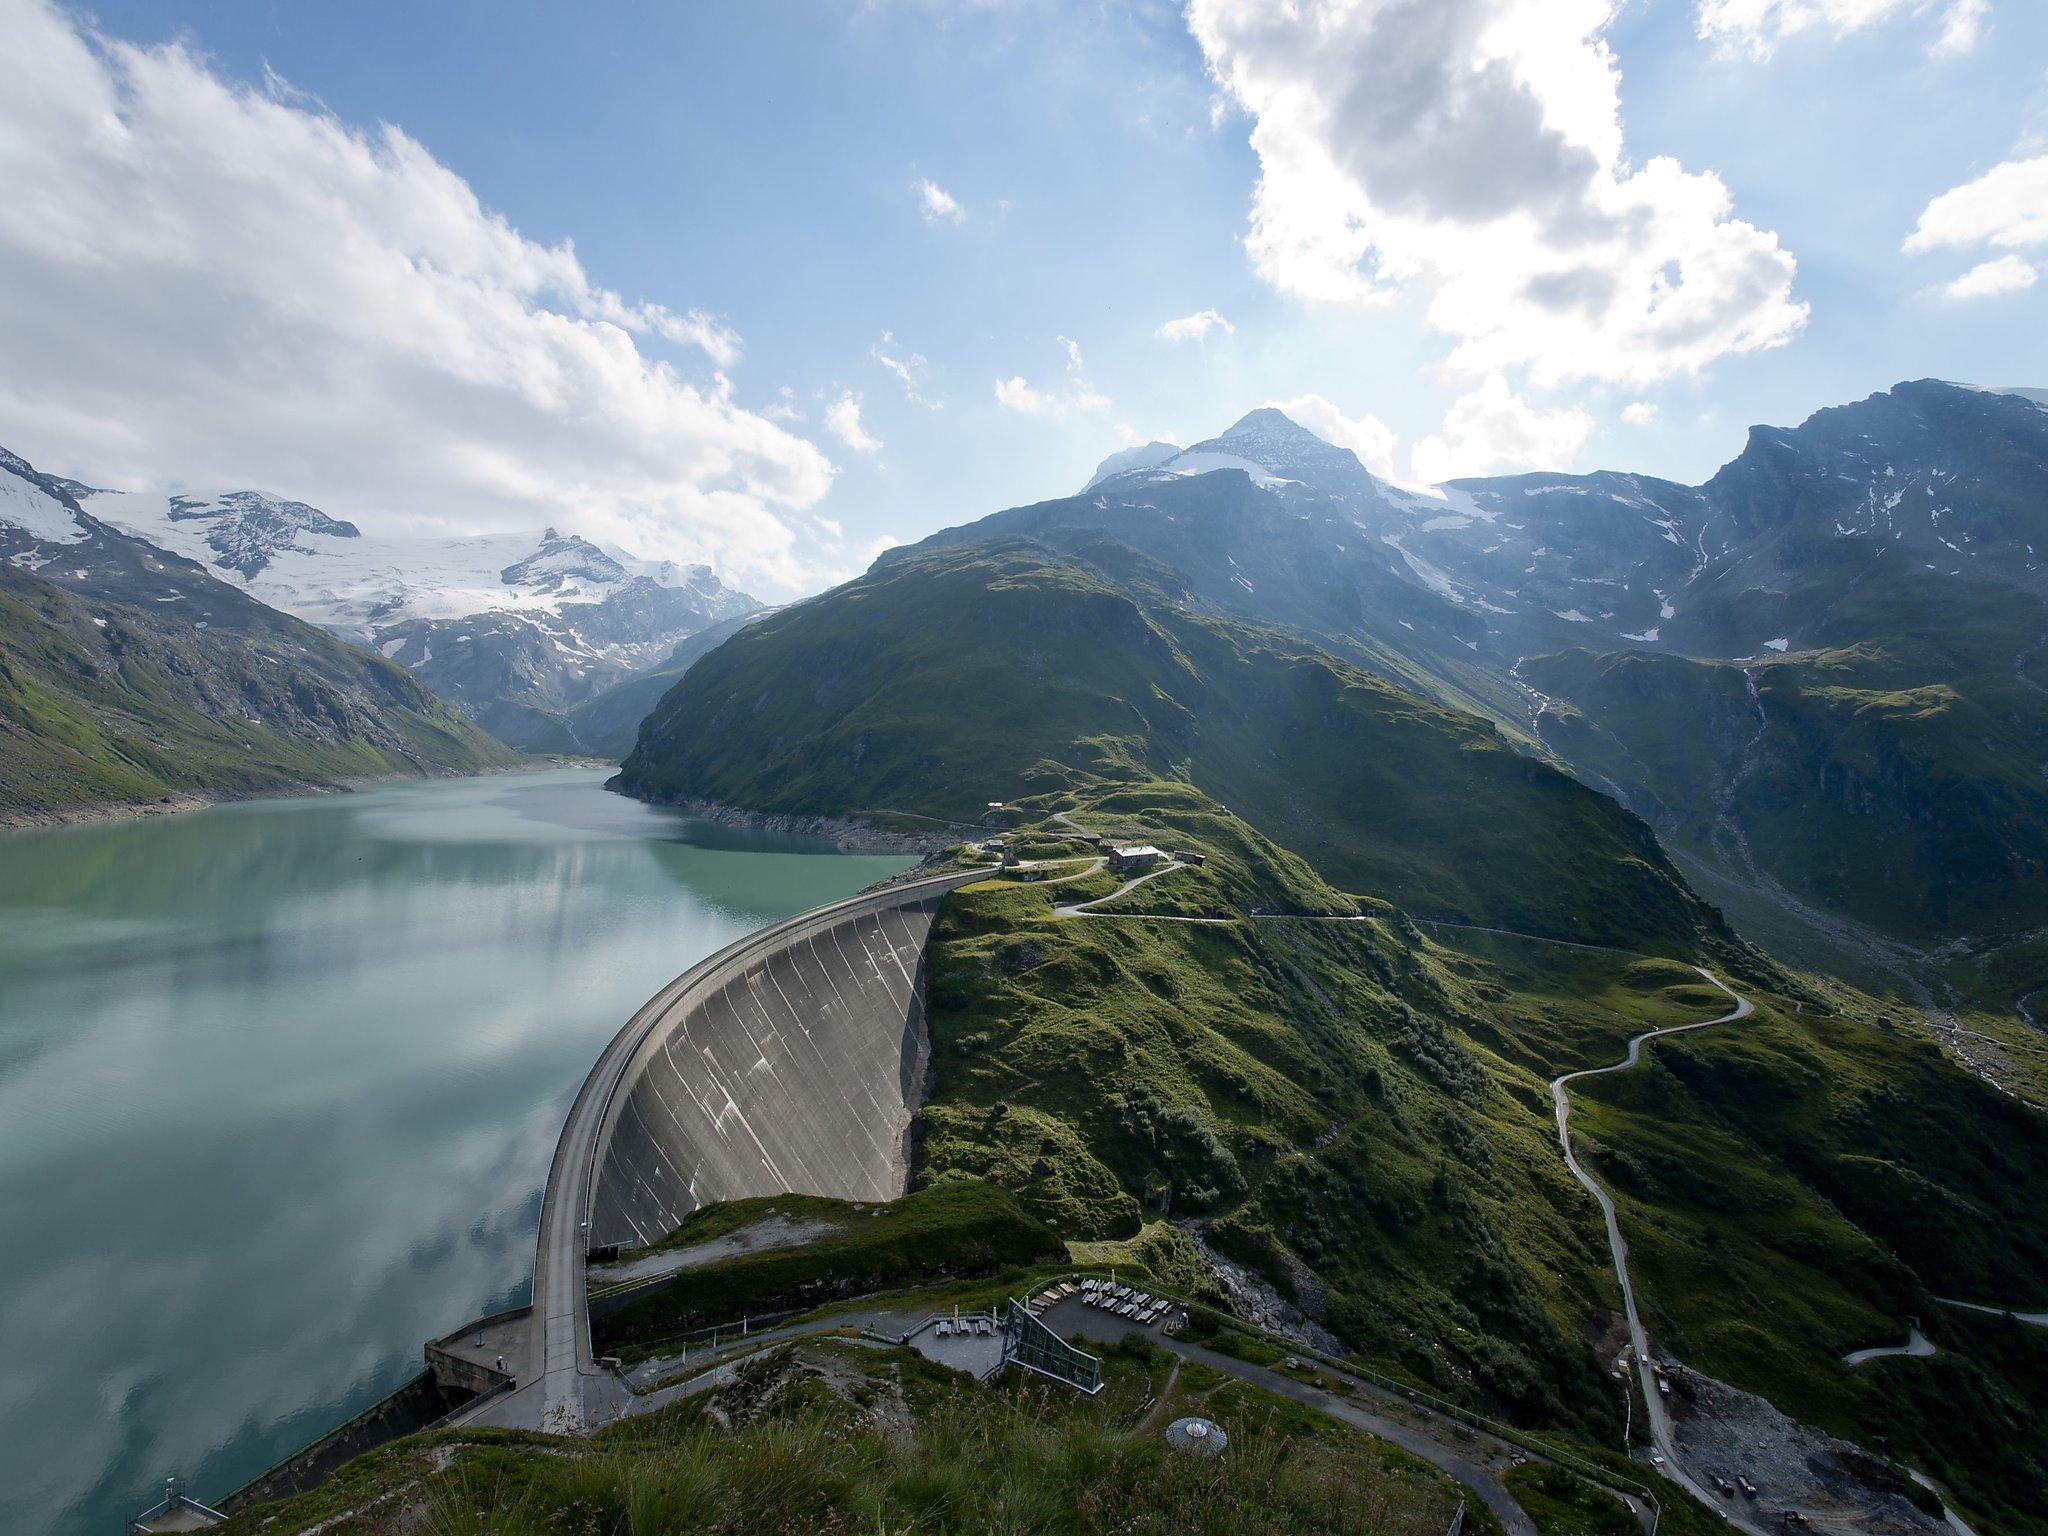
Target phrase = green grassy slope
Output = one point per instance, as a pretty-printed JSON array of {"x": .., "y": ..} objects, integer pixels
[
  {"x": 1894, "y": 780},
  {"x": 609, "y": 723},
  {"x": 1360, "y": 1112},
  {"x": 1797, "y": 1188},
  {"x": 1346, "y": 1097},
  {"x": 103, "y": 701},
  {"x": 959, "y": 1228},
  {"x": 834, "y": 1438},
  {"x": 951, "y": 677}
]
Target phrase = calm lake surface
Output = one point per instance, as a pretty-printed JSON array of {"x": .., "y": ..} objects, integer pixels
[{"x": 279, "y": 1084}]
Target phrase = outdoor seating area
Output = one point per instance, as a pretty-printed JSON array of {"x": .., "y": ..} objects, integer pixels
[
  {"x": 1123, "y": 1301},
  {"x": 962, "y": 1341}
]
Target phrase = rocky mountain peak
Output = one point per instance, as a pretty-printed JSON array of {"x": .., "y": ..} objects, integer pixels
[
  {"x": 1271, "y": 441},
  {"x": 1126, "y": 460},
  {"x": 559, "y": 559},
  {"x": 1269, "y": 424},
  {"x": 246, "y": 529}
]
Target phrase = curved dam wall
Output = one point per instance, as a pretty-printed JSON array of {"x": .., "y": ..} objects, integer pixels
[{"x": 790, "y": 1062}]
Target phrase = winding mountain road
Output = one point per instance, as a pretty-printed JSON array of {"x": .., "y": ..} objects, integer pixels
[
  {"x": 1660, "y": 1417},
  {"x": 1917, "y": 1346}
]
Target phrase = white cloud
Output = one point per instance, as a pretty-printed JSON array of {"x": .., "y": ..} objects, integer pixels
[
  {"x": 1494, "y": 429},
  {"x": 939, "y": 205},
  {"x": 1640, "y": 413},
  {"x": 908, "y": 368},
  {"x": 1756, "y": 27},
  {"x": 1475, "y": 147},
  {"x": 1988, "y": 279},
  {"x": 842, "y": 420},
  {"x": 1018, "y": 394},
  {"x": 1194, "y": 327},
  {"x": 212, "y": 286},
  {"x": 2006, "y": 207},
  {"x": 1367, "y": 436}
]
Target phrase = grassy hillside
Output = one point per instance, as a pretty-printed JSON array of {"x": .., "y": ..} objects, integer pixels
[
  {"x": 951, "y": 677},
  {"x": 954, "y": 1229},
  {"x": 609, "y": 724},
  {"x": 1896, "y": 781},
  {"x": 836, "y": 1438},
  {"x": 108, "y": 702},
  {"x": 1359, "y": 1111}
]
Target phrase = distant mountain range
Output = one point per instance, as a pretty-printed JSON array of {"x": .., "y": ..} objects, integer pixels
[
  {"x": 1814, "y": 674},
  {"x": 516, "y": 630},
  {"x": 1437, "y": 724},
  {"x": 131, "y": 676}
]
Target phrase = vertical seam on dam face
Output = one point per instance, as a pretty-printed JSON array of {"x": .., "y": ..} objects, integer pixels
[{"x": 792, "y": 1069}]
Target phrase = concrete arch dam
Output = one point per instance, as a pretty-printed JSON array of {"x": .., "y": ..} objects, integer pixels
[{"x": 789, "y": 1062}]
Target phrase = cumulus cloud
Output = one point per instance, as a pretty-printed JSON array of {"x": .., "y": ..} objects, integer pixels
[
  {"x": 207, "y": 285},
  {"x": 1475, "y": 147},
  {"x": 1494, "y": 429},
  {"x": 1756, "y": 27},
  {"x": 1018, "y": 394},
  {"x": 1988, "y": 279},
  {"x": 938, "y": 205},
  {"x": 2006, "y": 208},
  {"x": 842, "y": 420},
  {"x": 1640, "y": 413},
  {"x": 1367, "y": 436},
  {"x": 1194, "y": 327}
]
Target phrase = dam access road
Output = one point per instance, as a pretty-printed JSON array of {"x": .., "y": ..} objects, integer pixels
[{"x": 788, "y": 1061}]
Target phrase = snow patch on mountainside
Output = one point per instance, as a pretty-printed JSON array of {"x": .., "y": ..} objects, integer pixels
[
  {"x": 1193, "y": 463},
  {"x": 1126, "y": 461},
  {"x": 27, "y": 506},
  {"x": 2037, "y": 396},
  {"x": 358, "y": 584}
]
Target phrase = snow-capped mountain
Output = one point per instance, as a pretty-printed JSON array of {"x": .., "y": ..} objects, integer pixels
[
  {"x": 1942, "y": 477},
  {"x": 1815, "y": 673},
  {"x": 513, "y": 628},
  {"x": 1267, "y": 444},
  {"x": 133, "y": 675}
]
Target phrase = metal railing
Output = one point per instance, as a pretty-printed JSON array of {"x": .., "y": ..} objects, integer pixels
[{"x": 175, "y": 1503}]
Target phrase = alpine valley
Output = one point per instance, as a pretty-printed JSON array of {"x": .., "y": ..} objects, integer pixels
[
  {"x": 1454, "y": 794},
  {"x": 1813, "y": 676},
  {"x": 1477, "y": 775}
]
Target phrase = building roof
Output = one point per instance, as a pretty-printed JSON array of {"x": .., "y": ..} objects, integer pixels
[{"x": 1141, "y": 851}]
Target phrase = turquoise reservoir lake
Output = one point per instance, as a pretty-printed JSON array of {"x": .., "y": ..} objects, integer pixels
[{"x": 279, "y": 1083}]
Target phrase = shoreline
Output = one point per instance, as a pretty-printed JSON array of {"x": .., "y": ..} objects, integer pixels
[
  {"x": 99, "y": 812},
  {"x": 847, "y": 834}
]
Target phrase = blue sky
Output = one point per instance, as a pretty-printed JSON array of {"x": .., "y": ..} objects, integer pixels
[{"x": 759, "y": 166}]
